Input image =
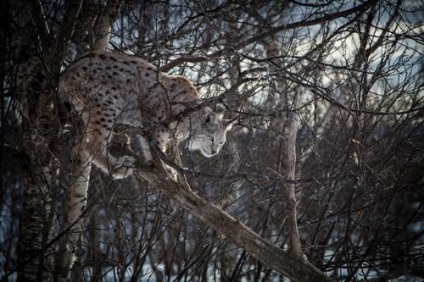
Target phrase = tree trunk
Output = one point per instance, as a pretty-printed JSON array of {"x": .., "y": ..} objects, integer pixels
[
  {"x": 41, "y": 171},
  {"x": 76, "y": 200},
  {"x": 290, "y": 122},
  {"x": 289, "y": 164},
  {"x": 104, "y": 27},
  {"x": 77, "y": 194},
  {"x": 35, "y": 81}
]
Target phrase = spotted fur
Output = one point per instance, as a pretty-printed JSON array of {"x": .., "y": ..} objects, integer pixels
[{"x": 108, "y": 88}]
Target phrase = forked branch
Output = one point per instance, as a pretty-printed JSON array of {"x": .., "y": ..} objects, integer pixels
[{"x": 272, "y": 256}]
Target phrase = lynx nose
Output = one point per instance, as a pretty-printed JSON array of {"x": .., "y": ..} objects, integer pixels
[{"x": 213, "y": 151}]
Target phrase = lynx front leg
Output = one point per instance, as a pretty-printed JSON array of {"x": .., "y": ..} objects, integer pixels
[{"x": 144, "y": 145}]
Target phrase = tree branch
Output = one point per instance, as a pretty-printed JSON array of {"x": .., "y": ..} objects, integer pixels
[
  {"x": 232, "y": 49},
  {"x": 288, "y": 265},
  {"x": 272, "y": 256}
]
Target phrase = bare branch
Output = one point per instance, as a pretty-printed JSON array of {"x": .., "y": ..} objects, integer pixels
[{"x": 289, "y": 265}]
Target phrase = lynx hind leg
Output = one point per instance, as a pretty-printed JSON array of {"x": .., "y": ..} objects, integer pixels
[{"x": 97, "y": 143}]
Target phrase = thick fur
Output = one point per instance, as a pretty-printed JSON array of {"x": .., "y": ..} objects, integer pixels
[{"x": 107, "y": 89}]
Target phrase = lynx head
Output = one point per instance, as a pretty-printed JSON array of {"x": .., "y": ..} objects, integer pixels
[{"x": 208, "y": 133}]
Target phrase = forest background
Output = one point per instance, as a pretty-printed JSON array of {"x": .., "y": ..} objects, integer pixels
[{"x": 325, "y": 161}]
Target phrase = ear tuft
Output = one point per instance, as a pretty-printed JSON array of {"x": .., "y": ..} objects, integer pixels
[
  {"x": 220, "y": 107},
  {"x": 206, "y": 110},
  {"x": 229, "y": 123}
]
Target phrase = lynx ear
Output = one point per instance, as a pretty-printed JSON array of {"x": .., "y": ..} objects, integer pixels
[
  {"x": 206, "y": 110},
  {"x": 229, "y": 123},
  {"x": 220, "y": 107},
  {"x": 207, "y": 115}
]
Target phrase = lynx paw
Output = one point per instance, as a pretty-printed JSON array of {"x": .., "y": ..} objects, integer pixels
[{"x": 171, "y": 172}]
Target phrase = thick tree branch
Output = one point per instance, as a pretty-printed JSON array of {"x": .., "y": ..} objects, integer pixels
[
  {"x": 292, "y": 266},
  {"x": 288, "y": 265}
]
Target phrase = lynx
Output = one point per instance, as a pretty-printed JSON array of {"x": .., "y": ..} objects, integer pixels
[{"x": 107, "y": 89}]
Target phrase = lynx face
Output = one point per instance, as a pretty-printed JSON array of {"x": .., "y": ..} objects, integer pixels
[{"x": 210, "y": 133}]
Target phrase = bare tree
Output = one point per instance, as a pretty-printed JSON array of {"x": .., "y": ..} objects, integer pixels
[
  {"x": 325, "y": 160},
  {"x": 34, "y": 79}
]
